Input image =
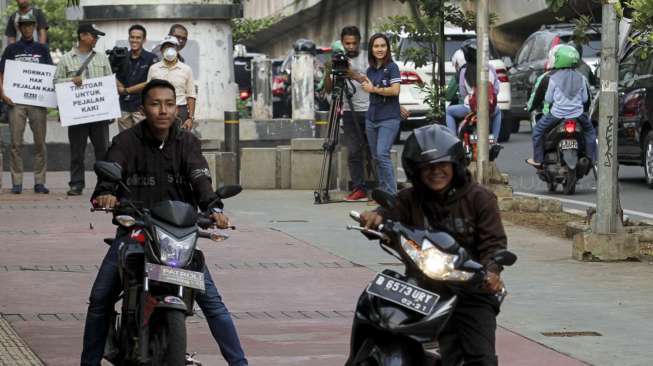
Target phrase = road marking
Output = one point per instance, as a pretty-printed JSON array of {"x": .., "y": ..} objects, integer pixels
[{"x": 583, "y": 203}]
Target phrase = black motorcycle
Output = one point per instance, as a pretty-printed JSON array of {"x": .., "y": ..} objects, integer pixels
[
  {"x": 565, "y": 159},
  {"x": 397, "y": 318},
  {"x": 161, "y": 270}
]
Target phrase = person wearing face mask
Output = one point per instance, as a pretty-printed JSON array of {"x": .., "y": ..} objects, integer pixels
[
  {"x": 444, "y": 197},
  {"x": 180, "y": 75}
]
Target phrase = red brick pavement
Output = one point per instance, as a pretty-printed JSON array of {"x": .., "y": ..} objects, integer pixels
[{"x": 292, "y": 301}]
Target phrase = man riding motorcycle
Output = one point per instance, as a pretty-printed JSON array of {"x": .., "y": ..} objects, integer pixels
[
  {"x": 467, "y": 83},
  {"x": 445, "y": 197},
  {"x": 159, "y": 162},
  {"x": 563, "y": 93}
]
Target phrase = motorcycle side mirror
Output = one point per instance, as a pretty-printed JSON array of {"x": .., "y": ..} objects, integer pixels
[
  {"x": 385, "y": 199},
  {"x": 229, "y": 191},
  {"x": 505, "y": 257},
  {"x": 108, "y": 171}
]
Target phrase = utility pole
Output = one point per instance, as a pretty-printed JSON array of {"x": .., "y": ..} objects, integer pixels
[
  {"x": 608, "y": 219},
  {"x": 483, "y": 113}
]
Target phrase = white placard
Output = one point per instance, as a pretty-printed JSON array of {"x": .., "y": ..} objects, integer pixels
[
  {"x": 30, "y": 83},
  {"x": 95, "y": 100}
]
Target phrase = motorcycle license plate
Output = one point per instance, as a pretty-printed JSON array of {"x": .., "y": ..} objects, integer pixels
[
  {"x": 568, "y": 144},
  {"x": 403, "y": 293},
  {"x": 175, "y": 276}
]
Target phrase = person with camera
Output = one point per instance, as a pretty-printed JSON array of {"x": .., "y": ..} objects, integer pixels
[
  {"x": 26, "y": 50},
  {"x": 354, "y": 109},
  {"x": 132, "y": 77},
  {"x": 180, "y": 76},
  {"x": 80, "y": 63},
  {"x": 383, "y": 117}
]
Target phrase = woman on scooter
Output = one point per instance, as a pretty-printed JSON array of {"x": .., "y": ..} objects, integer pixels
[
  {"x": 567, "y": 95},
  {"x": 383, "y": 116},
  {"x": 466, "y": 84},
  {"x": 445, "y": 197}
]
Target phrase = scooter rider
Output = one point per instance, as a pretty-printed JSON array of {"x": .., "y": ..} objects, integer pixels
[
  {"x": 160, "y": 162},
  {"x": 566, "y": 93},
  {"x": 466, "y": 84},
  {"x": 445, "y": 197}
]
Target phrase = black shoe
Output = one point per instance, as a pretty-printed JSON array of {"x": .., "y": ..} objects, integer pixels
[
  {"x": 17, "y": 189},
  {"x": 40, "y": 188},
  {"x": 75, "y": 191}
]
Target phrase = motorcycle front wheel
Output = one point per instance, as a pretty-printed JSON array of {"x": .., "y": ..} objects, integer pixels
[{"x": 168, "y": 338}]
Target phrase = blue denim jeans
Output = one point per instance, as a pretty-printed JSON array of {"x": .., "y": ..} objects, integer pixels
[
  {"x": 547, "y": 121},
  {"x": 381, "y": 135},
  {"x": 105, "y": 292},
  {"x": 459, "y": 111}
]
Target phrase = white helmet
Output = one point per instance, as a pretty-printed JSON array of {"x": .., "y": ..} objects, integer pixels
[{"x": 458, "y": 59}]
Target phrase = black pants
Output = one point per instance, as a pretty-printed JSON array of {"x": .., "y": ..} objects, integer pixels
[
  {"x": 470, "y": 335},
  {"x": 78, "y": 136},
  {"x": 356, "y": 142}
]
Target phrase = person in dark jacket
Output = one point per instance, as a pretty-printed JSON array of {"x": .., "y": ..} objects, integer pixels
[
  {"x": 444, "y": 197},
  {"x": 159, "y": 162}
]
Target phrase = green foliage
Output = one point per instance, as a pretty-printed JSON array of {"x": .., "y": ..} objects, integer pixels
[
  {"x": 642, "y": 13},
  {"x": 424, "y": 27},
  {"x": 245, "y": 29},
  {"x": 62, "y": 33}
]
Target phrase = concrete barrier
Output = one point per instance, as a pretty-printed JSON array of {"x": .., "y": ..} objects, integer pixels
[
  {"x": 222, "y": 167},
  {"x": 258, "y": 168}
]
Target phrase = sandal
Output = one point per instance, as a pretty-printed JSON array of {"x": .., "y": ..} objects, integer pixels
[{"x": 533, "y": 163}]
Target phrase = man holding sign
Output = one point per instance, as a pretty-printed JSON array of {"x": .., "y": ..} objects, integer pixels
[
  {"x": 79, "y": 64},
  {"x": 27, "y": 50}
]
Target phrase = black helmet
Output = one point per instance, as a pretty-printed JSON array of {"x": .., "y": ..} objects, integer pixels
[
  {"x": 469, "y": 50},
  {"x": 433, "y": 144}
]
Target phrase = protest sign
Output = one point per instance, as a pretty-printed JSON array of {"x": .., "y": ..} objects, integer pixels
[
  {"x": 30, "y": 83},
  {"x": 95, "y": 100}
]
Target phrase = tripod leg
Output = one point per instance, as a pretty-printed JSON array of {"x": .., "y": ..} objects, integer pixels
[{"x": 330, "y": 143}]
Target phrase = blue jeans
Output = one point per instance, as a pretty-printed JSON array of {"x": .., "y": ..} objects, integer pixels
[
  {"x": 105, "y": 292},
  {"x": 547, "y": 121},
  {"x": 381, "y": 135},
  {"x": 459, "y": 111}
]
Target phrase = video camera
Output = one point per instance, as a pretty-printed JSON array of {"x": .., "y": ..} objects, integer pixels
[
  {"x": 340, "y": 63},
  {"x": 117, "y": 57}
]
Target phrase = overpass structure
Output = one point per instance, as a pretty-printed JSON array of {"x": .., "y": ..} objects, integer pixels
[{"x": 321, "y": 20}]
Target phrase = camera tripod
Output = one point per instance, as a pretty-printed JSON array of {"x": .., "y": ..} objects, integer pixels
[{"x": 342, "y": 87}]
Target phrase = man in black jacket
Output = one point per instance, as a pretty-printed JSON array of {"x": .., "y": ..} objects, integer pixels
[{"x": 159, "y": 162}]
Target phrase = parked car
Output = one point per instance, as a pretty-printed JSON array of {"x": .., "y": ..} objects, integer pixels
[
  {"x": 412, "y": 98},
  {"x": 531, "y": 62},
  {"x": 243, "y": 76},
  {"x": 635, "y": 123}
]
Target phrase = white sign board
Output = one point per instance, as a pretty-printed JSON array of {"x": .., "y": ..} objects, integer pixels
[
  {"x": 95, "y": 100},
  {"x": 30, "y": 83}
]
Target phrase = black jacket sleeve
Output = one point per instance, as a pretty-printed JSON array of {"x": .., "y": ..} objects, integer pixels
[
  {"x": 117, "y": 153},
  {"x": 197, "y": 170}
]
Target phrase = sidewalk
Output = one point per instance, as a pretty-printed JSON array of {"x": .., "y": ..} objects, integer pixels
[{"x": 291, "y": 275}]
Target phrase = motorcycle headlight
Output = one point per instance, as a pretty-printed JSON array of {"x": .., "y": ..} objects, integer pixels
[
  {"x": 175, "y": 252},
  {"x": 434, "y": 263}
]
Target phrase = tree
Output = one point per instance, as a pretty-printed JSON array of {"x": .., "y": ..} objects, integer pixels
[
  {"x": 62, "y": 32},
  {"x": 243, "y": 29},
  {"x": 426, "y": 26}
]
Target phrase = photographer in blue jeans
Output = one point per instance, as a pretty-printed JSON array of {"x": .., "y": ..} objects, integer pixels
[{"x": 383, "y": 117}]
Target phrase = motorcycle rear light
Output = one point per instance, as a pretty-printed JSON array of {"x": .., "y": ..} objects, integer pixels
[
  {"x": 570, "y": 126},
  {"x": 502, "y": 75},
  {"x": 410, "y": 77},
  {"x": 244, "y": 94},
  {"x": 632, "y": 105},
  {"x": 138, "y": 236},
  {"x": 278, "y": 88}
]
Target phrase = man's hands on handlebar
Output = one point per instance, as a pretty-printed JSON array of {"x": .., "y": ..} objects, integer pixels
[
  {"x": 221, "y": 220},
  {"x": 105, "y": 201},
  {"x": 371, "y": 220}
]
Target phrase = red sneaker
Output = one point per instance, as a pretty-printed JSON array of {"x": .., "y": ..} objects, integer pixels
[{"x": 358, "y": 195}]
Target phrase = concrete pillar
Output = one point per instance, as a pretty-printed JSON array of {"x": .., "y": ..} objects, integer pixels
[
  {"x": 261, "y": 88},
  {"x": 303, "y": 103},
  {"x": 209, "y": 50}
]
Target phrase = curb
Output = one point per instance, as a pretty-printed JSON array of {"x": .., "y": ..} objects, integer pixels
[{"x": 14, "y": 350}]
